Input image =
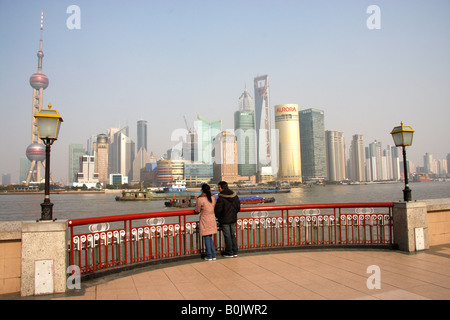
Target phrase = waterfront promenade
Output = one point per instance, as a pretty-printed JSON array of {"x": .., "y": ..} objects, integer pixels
[{"x": 303, "y": 274}]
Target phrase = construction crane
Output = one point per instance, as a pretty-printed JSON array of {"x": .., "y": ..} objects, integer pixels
[{"x": 187, "y": 127}]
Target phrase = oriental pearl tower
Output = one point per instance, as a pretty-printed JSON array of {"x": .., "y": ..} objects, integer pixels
[{"x": 36, "y": 150}]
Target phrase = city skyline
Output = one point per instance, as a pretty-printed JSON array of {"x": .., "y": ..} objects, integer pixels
[{"x": 163, "y": 61}]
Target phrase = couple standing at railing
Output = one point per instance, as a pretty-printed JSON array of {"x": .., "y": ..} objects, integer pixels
[{"x": 225, "y": 210}]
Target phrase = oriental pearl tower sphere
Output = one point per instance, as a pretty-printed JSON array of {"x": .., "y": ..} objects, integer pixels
[{"x": 36, "y": 150}]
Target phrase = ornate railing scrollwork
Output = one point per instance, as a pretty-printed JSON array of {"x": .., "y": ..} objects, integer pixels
[{"x": 98, "y": 227}]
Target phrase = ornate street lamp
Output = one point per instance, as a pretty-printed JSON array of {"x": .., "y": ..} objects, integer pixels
[
  {"x": 48, "y": 123},
  {"x": 403, "y": 137}
]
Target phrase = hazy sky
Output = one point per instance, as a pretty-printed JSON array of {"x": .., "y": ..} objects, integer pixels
[{"x": 162, "y": 60}]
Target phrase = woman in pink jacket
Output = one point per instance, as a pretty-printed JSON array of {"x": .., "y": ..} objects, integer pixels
[{"x": 208, "y": 227}]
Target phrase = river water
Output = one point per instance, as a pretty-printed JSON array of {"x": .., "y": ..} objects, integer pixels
[{"x": 22, "y": 207}]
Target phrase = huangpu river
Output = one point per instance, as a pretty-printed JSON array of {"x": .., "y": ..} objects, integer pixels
[{"x": 23, "y": 207}]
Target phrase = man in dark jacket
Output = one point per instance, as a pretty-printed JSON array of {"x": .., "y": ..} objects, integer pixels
[{"x": 227, "y": 207}]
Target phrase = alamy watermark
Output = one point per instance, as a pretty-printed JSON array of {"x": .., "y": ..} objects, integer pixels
[
  {"x": 182, "y": 143},
  {"x": 74, "y": 20},
  {"x": 374, "y": 281},
  {"x": 74, "y": 280},
  {"x": 374, "y": 20}
]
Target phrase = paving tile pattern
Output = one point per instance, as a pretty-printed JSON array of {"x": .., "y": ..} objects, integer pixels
[{"x": 288, "y": 275}]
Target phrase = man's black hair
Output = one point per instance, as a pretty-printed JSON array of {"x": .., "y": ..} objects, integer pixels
[{"x": 223, "y": 185}]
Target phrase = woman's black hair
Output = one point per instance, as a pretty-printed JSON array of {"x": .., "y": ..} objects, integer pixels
[{"x": 207, "y": 190}]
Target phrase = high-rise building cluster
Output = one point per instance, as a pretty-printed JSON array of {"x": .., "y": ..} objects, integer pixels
[
  {"x": 268, "y": 143},
  {"x": 111, "y": 158},
  {"x": 280, "y": 143}
]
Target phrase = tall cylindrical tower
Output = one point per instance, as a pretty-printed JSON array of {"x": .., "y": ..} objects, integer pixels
[
  {"x": 36, "y": 150},
  {"x": 286, "y": 122},
  {"x": 101, "y": 147}
]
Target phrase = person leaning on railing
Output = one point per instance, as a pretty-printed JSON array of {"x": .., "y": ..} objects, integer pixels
[
  {"x": 208, "y": 226},
  {"x": 227, "y": 207}
]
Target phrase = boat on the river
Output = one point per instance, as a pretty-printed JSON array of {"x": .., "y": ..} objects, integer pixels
[
  {"x": 149, "y": 195},
  {"x": 181, "y": 203},
  {"x": 141, "y": 195},
  {"x": 255, "y": 199},
  {"x": 191, "y": 202},
  {"x": 176, "y": 191},
  {"x": 263, "y": 191},
  {"x": 179, "y": 196},
  {"x": 177, "y": 186}
]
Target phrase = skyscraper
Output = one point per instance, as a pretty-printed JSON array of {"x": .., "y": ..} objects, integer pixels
[
  {"x": 6, "y": 179},
  {"x": 141, "y": 135},
  {"x": 101, "y": 148},
  {"x": 287, "y": 124},
  {"x": 112, "y": 161},
  {"x": 375, "y": 161},
  {"x": 24, "y": 166},
  {"x": 448, "y": 164},
  {"x": 122, "y": 153},
  {"x": 225, "y": 163},
  {"x": 36, "y": 150},
  {"x": 335, "y": 152},
  {"x": 142, "y": 156},
  {"x": 312, "y": 143},
  {"x": 428, "y": 163},
  {"x": 76, "y": 151},
  {"x": 357, "y": 159},
  {"x": 244, "y": 129},
  {"x": 263, "y": 120},
  {"x": 90, "y": 144},
  {"x": 190, "y": 147},
  {"x": 395, "y": 163},
  {"x": 387, "y": 163},
  {"x": 246, "y": 102},
  {"x": 206, "y": 132}
]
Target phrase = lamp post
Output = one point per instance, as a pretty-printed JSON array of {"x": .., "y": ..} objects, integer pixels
[
  {"x": 48, "y": 123},
  {"x": 403, "y": 136}
]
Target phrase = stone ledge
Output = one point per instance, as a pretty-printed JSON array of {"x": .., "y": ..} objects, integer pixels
[
  {"x": 10, "y": 230},
  {"x": 438, "y": 204},
  {"x": 44, "y": 226}
]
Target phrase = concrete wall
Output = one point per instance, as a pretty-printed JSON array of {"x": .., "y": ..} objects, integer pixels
[
  {"x": 10, "y": 256},
  {"x": 44, "y": 257},
  {"x": 33, "y": 257},
  {"x": 410, "y": 226},
  {"x": 438, "y": 221}
]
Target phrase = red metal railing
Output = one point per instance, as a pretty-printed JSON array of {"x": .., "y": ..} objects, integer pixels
[{"x": 106, "y": 242}]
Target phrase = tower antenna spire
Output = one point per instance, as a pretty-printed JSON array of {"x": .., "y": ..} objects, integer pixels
[
  {"x": 40, "y": 52},
  {"x": 36, "y": 150}
]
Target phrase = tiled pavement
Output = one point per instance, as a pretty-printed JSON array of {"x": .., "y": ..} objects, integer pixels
[{"x": 286, "y": 275}]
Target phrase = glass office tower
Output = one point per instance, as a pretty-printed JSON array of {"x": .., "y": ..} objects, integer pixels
[
  {"x": 312, "y": 142},
  {"x": 142, "y": 135},
  {"x": 244, "y": 129},
  {"x": 206, "y": 132},
  {"x": 76, "y": 151}
]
